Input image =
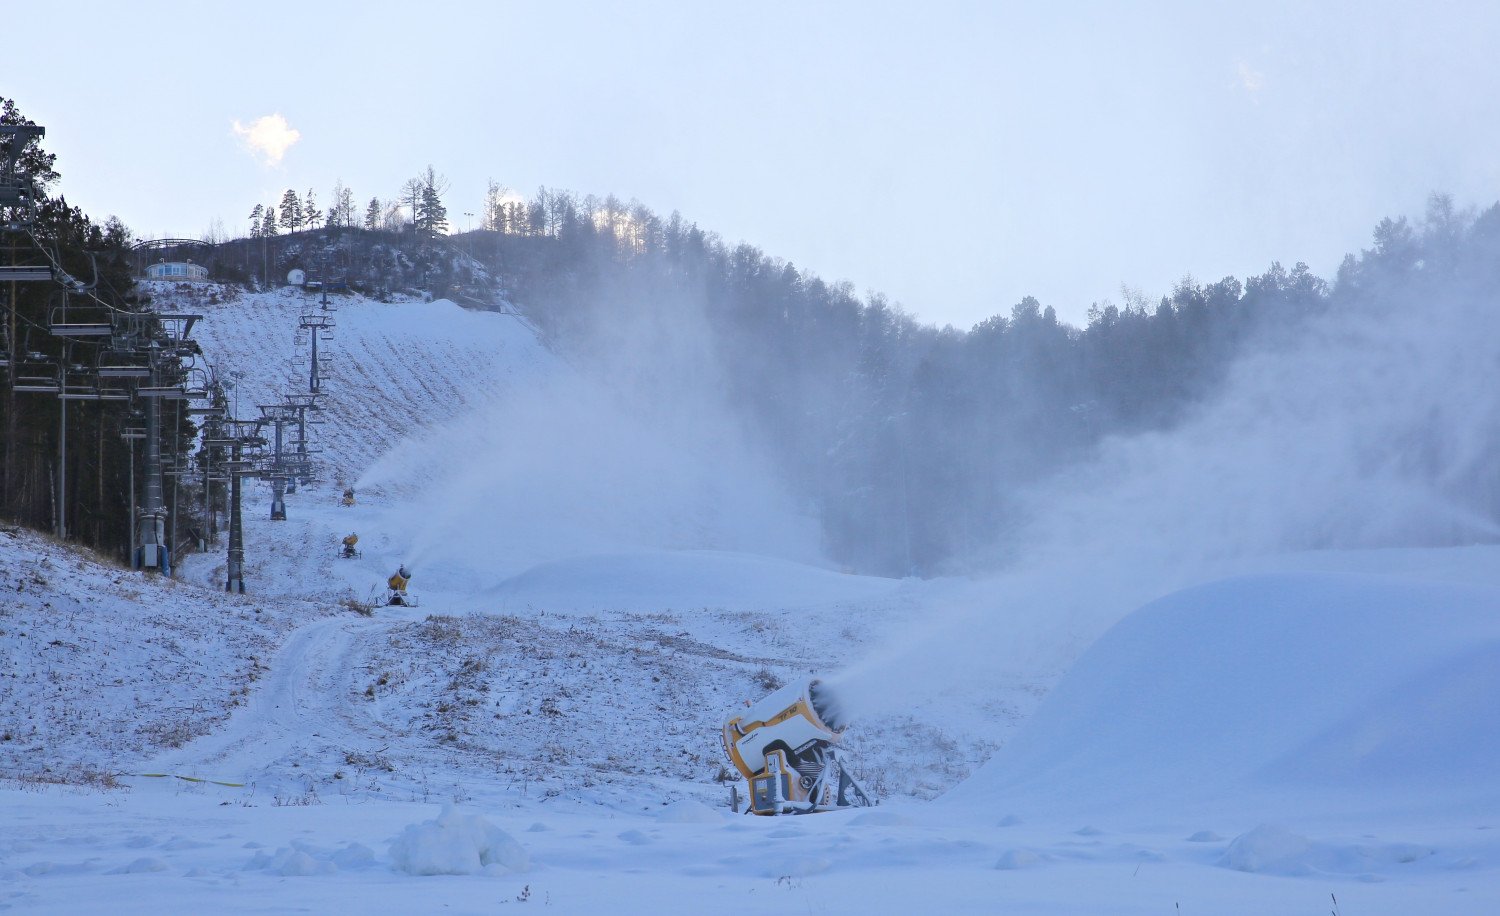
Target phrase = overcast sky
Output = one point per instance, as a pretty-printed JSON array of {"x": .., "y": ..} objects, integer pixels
[{"x": 953, "y": 156}]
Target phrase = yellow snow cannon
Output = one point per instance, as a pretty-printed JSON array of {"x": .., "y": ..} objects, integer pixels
[
  {"x": 784, "y": 746},
  {"x": 395, "y": 586}
]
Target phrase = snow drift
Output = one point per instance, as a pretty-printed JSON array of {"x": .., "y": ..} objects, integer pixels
[
  {"x": 1331, "y": 693},
  {"x": 457, "y": 844}
]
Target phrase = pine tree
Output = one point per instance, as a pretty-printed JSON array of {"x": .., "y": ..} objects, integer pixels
[
  {"x": 424, "y": 194},
  {"x": 268, "y": 226},
  {"x": 291, "y": 211},
  {"x": 256, "y": 216},
  {"x": 312, "y": 217},
  {"x": 434, "y": 216},
  {"x": 372, "y": 214}
]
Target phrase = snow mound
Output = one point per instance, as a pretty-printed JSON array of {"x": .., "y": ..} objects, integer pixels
[
  {"x": 1016, "y": 859},
  {"x": 687, "y": 811},
  {"x": 1319, "y": 692},
  {"x": 796, "y": 867},
  {"x": 142, "y": 866},
  {"x": 1269, "y": 849},
  {"x": 303, "y": 859},
  {"x": 653, "y": 580},
  {"x": 457, "y": 844}
]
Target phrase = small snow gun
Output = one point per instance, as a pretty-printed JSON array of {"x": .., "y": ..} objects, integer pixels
[
  {"x": 395, "y": 587},
  {"x": 784, "y": 746}
]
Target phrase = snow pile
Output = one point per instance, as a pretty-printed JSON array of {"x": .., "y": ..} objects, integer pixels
[
  {"x": 687, "y": 811},
  {"x": 1312, "y": 692},
  {"x": 1271, "y": 849},
  {"x": 1015, "y": 859},
  {"x": 303, "y": 859},
  {"x": 141, "y": 866},
  {"x": 457, "y": 844}
]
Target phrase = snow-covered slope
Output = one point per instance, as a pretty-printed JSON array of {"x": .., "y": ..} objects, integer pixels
[
  {"x": 99, "y": 665},
  {"x": 599, "y": 586},
  {"x": 394, "y": 368},
  {"x": 1296, "y": 695}
]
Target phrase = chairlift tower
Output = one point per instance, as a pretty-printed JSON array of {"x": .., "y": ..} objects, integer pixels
[
  {"x": 318, "y": 325},
  {"x": 166, "y": 347},
  {"x": 278, "y": 417},
  {"x": 151, "y": 550},
  {"x": 300, "y": 404},
  {"x": 236, "y": 435},
  {"x": 213, "y": 415}
]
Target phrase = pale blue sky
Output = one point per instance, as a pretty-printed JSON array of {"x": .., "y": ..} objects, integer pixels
[{"x": 953, "y": 156}]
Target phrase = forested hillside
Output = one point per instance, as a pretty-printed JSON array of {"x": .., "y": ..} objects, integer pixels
[
  {"x": 913, "y": 441},
  {"x": 97, "y": 257}
]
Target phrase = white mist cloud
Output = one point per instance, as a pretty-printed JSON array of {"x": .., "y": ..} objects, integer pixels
[
  {"x": 573, "y": 466},
  {"x": 268, "y": 137},
  {"x": 1368, "y": 431}
]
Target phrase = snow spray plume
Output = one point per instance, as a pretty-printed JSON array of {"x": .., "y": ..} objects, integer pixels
[
  {"x": 633, "y": 451},
  {"x": 1375, "y": 427}
]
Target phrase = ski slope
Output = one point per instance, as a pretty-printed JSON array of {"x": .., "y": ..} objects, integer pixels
[{"x": 1313, "y": 732}]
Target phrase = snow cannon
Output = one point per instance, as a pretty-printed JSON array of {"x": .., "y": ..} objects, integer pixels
[
  {"x": 785, "y": 747},
  {"x": 395, "y": 587}
]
